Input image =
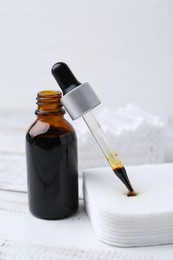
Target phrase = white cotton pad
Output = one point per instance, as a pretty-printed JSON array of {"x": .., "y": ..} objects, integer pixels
[
  {"x": 139, "y": 137},
  {"x": 145, "y": 219}
]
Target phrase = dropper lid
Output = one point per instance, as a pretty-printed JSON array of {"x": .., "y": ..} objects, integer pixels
[
  {"x": 78, "y": 98},
  {"x": 64, "y": 77}
]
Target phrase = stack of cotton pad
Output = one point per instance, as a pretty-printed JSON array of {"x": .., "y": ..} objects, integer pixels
[
  {"x": 146, "y": 219},
  {"x": 138, "y": 137}
]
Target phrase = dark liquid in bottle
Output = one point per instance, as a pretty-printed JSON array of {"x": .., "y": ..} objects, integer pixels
[{"x": 52, "y": 174}]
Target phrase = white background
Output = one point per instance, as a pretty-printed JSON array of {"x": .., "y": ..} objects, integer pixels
[{"x": 122, "y": 48}]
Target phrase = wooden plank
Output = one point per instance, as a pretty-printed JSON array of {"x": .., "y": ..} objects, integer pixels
[
  {"x": 13, "y": 172},
  {"x": 13, "y": 250}
]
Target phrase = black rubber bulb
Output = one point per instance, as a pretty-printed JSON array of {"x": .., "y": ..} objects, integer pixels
[{"x": 64, "y": 77}]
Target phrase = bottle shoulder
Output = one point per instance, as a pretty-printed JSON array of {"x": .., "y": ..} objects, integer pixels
[{"x": 54, "y": 128}]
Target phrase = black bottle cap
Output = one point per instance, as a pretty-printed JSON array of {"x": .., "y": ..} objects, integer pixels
[{"x": 64, "y": 77}]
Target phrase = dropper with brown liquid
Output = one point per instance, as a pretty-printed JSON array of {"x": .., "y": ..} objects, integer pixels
[
  {"x": 112, "y": 157},
  {"x": 79, "y": 99}
]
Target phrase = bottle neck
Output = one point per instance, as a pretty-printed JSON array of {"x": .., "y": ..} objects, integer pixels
[{"x": 49, "y": 103}]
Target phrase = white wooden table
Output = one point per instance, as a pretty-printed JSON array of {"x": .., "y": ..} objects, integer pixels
[{"x": 23, "y": 236}]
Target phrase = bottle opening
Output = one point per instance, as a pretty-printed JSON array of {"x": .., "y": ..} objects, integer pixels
[
  {"x": 49, "y": 93},
  {"x": 49, "y": 101}
]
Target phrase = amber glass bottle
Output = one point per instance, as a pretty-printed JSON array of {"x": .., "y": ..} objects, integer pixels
[{"x": 51, "y": 156}]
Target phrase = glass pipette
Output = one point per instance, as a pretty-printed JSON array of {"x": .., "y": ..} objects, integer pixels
[{"x": 79, "y": 100}]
